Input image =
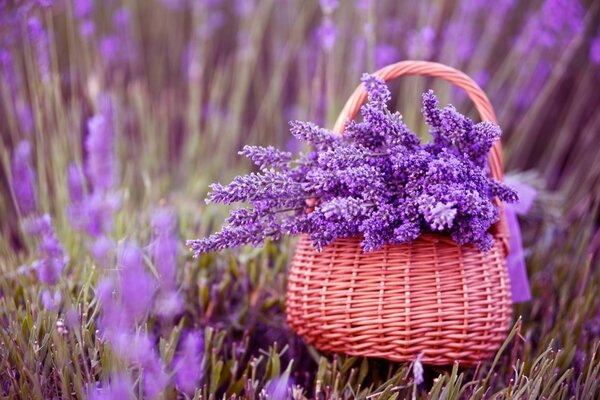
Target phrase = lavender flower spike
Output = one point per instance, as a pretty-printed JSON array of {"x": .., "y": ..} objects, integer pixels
[
  {"x": 23, "y": 179},
  {"x": 99, "y": 144},
  {"x": 188, "y": 365}
]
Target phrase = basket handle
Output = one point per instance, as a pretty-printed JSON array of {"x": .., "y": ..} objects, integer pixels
[{"x": 427, "y": 68}]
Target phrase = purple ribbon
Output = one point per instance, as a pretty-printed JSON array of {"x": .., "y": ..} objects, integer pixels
[{"x": 515, "y": 262}]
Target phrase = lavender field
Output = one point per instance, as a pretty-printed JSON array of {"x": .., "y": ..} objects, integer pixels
[{"x": 117, "y": 115}]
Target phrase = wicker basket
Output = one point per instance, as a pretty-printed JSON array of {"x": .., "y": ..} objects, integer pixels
[{"x": 450, "y": 303}]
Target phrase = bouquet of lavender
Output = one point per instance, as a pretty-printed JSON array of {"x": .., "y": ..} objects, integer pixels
[{"x": 377, "y": 181}]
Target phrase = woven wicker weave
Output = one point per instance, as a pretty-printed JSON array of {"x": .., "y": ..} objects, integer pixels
[{"x": 433, "y": 297}]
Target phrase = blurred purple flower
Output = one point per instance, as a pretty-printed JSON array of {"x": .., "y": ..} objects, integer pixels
[
  {"x": 418, "y": 370},
  {"x": 53, "y": 259},
  {"x": 328, "y": 6},
  {"x": 122, "y": 20},
  {"x": 420, "y": 43},
  {"x": 102, "y": 249},
  {"x": 555, "y": 24},
  {"x": 279, "y": 387},
  {"x": 119, "y": 387},
  {"x": 51, "y": 299},
  {"x": 75, "y": 184},
  {"x": 9, "y": 73},
  {"x": 110, "y": 49},
  {"x": 24, "y": 115},
  {"x": 168, "y": 305},
  {"x": 164, "y": 247},
  {"x": 595, "y": 50},
  {"x": 23, "y": 179},
  {"x": 327, "y": 33},
  {"x": 243, "y": 8},
  {"x": 137, "y": 285},
  {"x": 83, "y": 8},
  {"x": 385, "y": 54},
  {"x": 187, "y": 366},
  {"x": 39, "y": 40},
  {"x": 99, "y": 144}
]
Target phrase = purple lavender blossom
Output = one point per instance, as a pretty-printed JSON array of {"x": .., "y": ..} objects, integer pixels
[
  {"x": 75, "y": 184},
  {"x": 265, "y": 157},
  {"x": 118, "y": 387},
  {"x": 386, "y": 54},
  {"x": 23, "y": 179},
  {"x": 83, "y": 13},
  {"x": 53, "y": 259},
  {"x": 188, "y": 364},
  {"x": 379, "y": 182},
  {"x": 51, "y": 299},
  {"x": 595, "y": 50},
  {"x": 39, "y": 39},
  {"x": 328, "y": 6},
  {"x": 99, "y": 144},
  {"x": 164, "y": 247},
  {"x": 327, "y": 34},
  {"x": 9, "y": 73},
  {"x": 137, "y": 286},
  {"x": 417, "y": 370}
]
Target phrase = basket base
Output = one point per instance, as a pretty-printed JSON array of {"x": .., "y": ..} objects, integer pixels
[{"x": 432, "y": 297}]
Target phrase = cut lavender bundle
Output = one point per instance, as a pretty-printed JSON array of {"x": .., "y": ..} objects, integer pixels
[{"x": 378, "y": 182}]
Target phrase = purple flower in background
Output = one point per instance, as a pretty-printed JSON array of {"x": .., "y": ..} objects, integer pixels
[
  {"x": 23, "y": 179},
  {"x": 83, "y": 13},
  {"x": 164, "y": 247},
  {"x": 25, "y": 115},
  {"x": 83, "y": 8},
  {"x": 327, "y": 34},
  {"x": 386, "y": 54},
  {"x": 279, "y": 387},
  {"x": 51, "y": 299},
  {"x": 595, "y": 50},
  {"x": 418, "y": 370},
  {"x": 556, "y": 23},
  {"x": 39, "y": 39},
  {"x": 187, "y": 366},
  {"x": 9, "y": 73},
  {"x": 99, "y": 145},
  {"x": 102, "y": 250},
  {"x": 52, "y": 259},
  {"x": 137, "y": 285},
  {"x": 110, "y": 49},
  {"x": 328, "y": 6},
  {"x": 420, "y": 43},
  {"x": 118, "y": 387},
  {"x": 75, "y": 184}
]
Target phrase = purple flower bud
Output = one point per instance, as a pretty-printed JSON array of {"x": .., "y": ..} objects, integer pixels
[
  {"x": 327, "y": 34},
  {"x": 119, "y": 387},
  {"x": 137, "y": 286},
  {"x": 102, "y": 250},
  {"x": 39, "y": 39},
  {"x": 188, "y": 364},
  {"x": 418, "y": 370},
  {"x": 164, "y": 246},
  {"x": 83, "y": 8},
  {"x": 595, "y": 50},
  {"x": 169, "y": 304},
  {"x": 75, "y": 184},
  {"x": 328, "y": 6},
  {"x": 51, "y": 299},
  {"x": 99, "y": 144},
  {"x": 23, "y": 179}
]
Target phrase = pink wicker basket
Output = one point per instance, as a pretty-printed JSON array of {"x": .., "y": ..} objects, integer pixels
[{"x": 450, "y": 303}]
